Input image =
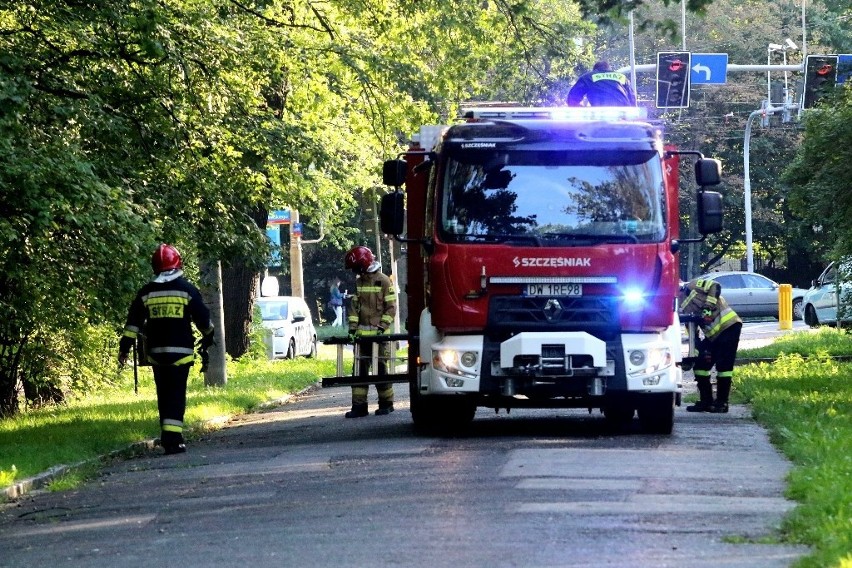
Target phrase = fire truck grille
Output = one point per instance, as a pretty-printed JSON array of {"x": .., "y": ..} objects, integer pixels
[{"x": 518, "y": 313}]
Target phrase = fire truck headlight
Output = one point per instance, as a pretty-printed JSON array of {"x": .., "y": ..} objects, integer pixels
[
  {"x": 647, "y": 361},
  {"x": 637, "y": 358},
  {"x": 468, "y": 359},
  {"x": 445, "y": 360},
  {"x": 453, "y": 362},
  {"x": 659, "y": 358}
]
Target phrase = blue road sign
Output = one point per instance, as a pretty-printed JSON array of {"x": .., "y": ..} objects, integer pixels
[
  {"x": 844, "y": 68},
  {"x": 709, "y": 69}
]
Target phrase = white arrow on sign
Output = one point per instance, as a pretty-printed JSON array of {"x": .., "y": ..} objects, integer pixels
[{"x": 698, "y": 68}]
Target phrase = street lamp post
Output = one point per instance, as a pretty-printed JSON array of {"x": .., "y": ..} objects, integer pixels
[
  {"x": 767, "y": 110},
  {"x": 788, "y": 45}
]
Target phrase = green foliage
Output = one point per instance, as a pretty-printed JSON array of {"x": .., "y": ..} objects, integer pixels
[
  {"x": 257, "y": 350},
  {"x": 820, "y": 173},
  {"x": 806, "y": 402},
  {"x": 122, "y": 125}
]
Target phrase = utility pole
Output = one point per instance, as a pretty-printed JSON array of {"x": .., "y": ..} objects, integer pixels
[
  {"x": 297, "y": 287},
  {"x": 297, "y": 278}
]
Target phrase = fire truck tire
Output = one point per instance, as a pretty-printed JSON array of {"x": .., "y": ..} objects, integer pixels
[{"x": 656, "y": 412}]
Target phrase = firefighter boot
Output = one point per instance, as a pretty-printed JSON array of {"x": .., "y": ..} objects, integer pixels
[
  {"x": 385, "y": 407},
  {"x": 172, "y": 443},
  {"x": 359, "y": 410},
  {"x": 705, "y": 393},
  {"x": 723, "y": 391}
]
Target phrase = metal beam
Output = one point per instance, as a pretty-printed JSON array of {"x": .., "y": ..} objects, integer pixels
[{"x": 732, "y": 68}]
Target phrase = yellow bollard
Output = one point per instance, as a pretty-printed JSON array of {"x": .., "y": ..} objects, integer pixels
[{"x": 785, "y": 306}]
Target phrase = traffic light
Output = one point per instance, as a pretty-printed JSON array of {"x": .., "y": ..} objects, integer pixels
[
  {"x": 820, "y": 77},
  {"x": 673, "y": 79}
]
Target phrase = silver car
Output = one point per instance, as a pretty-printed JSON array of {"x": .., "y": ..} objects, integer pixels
[
  {"x": 820, "y": 302},
  {"x": 754, "y": 295},
  {"x": 291, "y": 327}
]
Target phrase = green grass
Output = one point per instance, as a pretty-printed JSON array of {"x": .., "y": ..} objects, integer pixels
[
  {"x": 827, "y": 340},
  {"x": 804, "y": 398},
  {"x": 113, "y": 419}
]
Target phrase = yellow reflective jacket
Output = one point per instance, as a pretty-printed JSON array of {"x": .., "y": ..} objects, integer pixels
[
  {"x": 704, "y": 297},
  {"x": 374, "y": 304}
]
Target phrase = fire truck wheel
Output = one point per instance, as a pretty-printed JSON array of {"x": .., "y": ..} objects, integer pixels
[{"x": 656, "y": 413}]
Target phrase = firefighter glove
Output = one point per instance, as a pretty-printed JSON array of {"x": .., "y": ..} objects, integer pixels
[
  {"x": 206, "y": 342},
  {"x": 205, "y": 360}
]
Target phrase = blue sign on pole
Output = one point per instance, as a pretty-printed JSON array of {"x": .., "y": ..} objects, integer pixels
[
  {"x": 709, "y": 69},
  {"x": 273, "y": 233},
  {"x": 844, "y": 68},
  {"x": 279, "y": 217}
]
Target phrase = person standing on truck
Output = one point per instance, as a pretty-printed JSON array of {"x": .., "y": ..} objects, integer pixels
[
  {"x": 602, "y": 87},
  {"x": 372, "y": 313},
  {"x": 163, "y": 312},
  {"x": 702, "y": 302}
]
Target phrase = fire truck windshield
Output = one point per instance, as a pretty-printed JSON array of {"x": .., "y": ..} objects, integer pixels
[{"x": 551, "y": 198}]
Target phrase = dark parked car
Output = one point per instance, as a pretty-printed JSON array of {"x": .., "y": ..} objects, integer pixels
[{"x": 754, "y": 295}]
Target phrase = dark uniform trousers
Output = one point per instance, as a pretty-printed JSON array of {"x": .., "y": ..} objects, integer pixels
[
  {"x": 171, "y": 401},
  {"x": 723, "y": 354}
]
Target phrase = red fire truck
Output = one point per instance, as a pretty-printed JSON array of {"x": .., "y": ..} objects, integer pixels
[{"x": 542, "y": 265}]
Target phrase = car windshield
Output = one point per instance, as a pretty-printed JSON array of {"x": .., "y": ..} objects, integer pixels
[
  {"x": 552, "y": 198},
  {"x": 274, "y": 310}
]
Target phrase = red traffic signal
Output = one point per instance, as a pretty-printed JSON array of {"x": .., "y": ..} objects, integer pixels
[
  {"x": 676, "y": 65},
  {"x": 820, "y": 78},
  {"x": 673, "y": 68}
]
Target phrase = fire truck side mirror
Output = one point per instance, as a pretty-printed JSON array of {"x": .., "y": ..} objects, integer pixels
[
  {"x": 393, "y": 172},
  {"x": 708, "y": 172},
  {"x": 710, "y": 212},
  {"x": 392, "y": 213}
]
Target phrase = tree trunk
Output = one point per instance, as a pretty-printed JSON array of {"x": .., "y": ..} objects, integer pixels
[
  {"x": 216, "y": 373},
  {"x": 239, "y": 291}
]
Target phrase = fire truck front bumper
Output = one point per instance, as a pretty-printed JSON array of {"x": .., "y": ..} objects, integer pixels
[{"x": 552, "y": 358}]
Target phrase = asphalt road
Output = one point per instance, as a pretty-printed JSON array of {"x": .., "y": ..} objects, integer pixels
[{"x": 301, "y": 486}]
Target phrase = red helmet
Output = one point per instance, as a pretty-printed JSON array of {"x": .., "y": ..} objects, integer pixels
[
  {"x": 166, "y": 257},
  {"x": 359, "y": 259}
]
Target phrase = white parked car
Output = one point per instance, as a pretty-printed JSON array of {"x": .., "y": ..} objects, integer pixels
[
  {"x": 291, "y": 327},
  {"x": 820, "y": 302}
]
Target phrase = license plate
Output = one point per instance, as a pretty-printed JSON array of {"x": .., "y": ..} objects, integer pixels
[{"x": 554, "y": 290}]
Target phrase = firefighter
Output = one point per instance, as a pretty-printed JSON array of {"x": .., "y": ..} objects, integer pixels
[
  {"x": 372, "y": 313},
  {"x": 162, "y": 313},
  {"x": 602, "y": 87},
  {"x": 721, "y": 326}
]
